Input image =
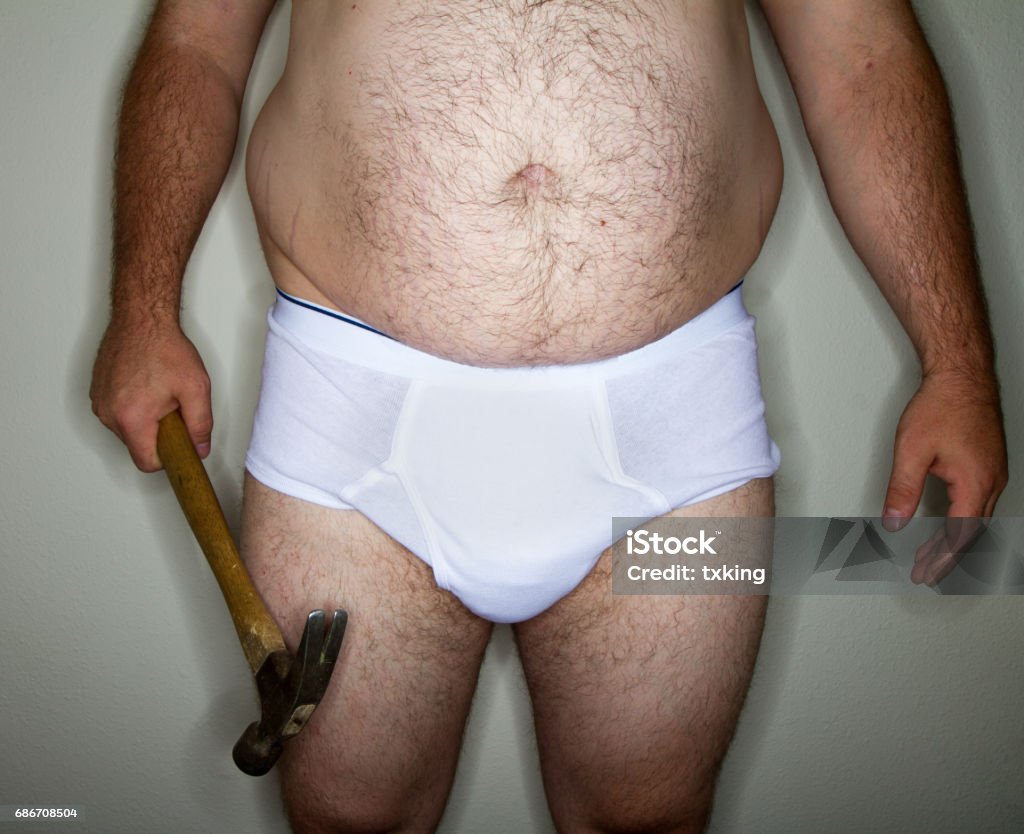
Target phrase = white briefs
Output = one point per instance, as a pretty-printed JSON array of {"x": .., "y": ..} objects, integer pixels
[{"x": 505, "y": 480}]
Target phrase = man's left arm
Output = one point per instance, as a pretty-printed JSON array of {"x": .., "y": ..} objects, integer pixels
[{"x": 878, "y": 117}]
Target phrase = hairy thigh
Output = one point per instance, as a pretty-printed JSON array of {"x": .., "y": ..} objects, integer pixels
[
  {"x": 636, "y": 697},
  {"x": 380, "y": 749}
]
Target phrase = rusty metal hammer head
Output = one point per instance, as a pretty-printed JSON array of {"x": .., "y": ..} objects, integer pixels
[{"x": 290, "y": 689}]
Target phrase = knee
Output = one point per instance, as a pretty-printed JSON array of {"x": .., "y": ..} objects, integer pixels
[
  {"x": 641, "y": 809},
  {"x": 691, "y": 819},
  {"x": 321, "y": 818},
  {"x": 347, "y": 809}
]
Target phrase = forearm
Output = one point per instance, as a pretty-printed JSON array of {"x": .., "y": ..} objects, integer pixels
[
  {"x": 884, "y": 139},
  {"x": 176, "y": 136}
]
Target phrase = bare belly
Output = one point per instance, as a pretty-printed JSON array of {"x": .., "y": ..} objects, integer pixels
[{"x": 503, "y": 182}]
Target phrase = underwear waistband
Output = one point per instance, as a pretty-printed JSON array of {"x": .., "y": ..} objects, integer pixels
[{"x": 346, "y": 337}]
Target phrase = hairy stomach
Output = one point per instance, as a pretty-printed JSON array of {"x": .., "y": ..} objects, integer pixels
[{"x": 505, "y": 185}]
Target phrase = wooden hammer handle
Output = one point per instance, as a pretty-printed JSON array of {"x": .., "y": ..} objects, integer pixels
[{"x": 259, "y": 634}]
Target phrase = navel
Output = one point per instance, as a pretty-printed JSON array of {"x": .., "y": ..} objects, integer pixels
[{"x": 536, "y": 178}]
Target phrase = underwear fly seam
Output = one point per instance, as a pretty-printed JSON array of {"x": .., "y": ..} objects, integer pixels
[
  {"x": 610, "y": 448},
  {"x": 392, "y": 464}
]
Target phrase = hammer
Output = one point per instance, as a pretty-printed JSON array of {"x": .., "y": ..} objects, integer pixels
[{"x": 289, "y": 687}]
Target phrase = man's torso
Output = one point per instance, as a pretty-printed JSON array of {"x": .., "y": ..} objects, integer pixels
[{"x": 503, "y": 182}]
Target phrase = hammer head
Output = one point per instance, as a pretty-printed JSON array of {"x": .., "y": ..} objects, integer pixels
[{"x": 290, "y": 689}]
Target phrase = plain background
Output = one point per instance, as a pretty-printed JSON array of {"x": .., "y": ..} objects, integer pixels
[{"x": 122, "y": 687}]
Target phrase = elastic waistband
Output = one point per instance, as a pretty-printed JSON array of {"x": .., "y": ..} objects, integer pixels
[{"x": 347, "y": 338}]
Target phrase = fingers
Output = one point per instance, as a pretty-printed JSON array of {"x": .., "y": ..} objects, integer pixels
[
  {"x": 139, "y": 435},
  {"x": 138, "y": 429},
  {"x": 971, "y": 499},
  {"x": 131, "y": 421},
  {"x": 924, "y": 558},
  {"x": 935, "y": 559}
]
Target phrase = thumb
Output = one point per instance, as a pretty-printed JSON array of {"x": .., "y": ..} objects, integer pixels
[
  {"x": 906, "y": 483},
  {"x": 198, "y": 417}
]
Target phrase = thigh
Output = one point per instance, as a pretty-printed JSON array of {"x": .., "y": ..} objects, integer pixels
[
  {"x": 636, "y": 697},
  {"x": 380, "y": 750}
]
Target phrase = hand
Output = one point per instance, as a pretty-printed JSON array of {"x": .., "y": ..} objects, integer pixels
[
  {"x": 144, "y": 371},
  {"x": 952, "y": 428}
]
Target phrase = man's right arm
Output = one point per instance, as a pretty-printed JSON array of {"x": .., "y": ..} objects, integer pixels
[{"x": 176, "y": 137}]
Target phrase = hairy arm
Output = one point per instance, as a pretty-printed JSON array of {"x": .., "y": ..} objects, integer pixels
[
  {"x": 176, "y": 136},
  {"x": 878, "y": 117}
]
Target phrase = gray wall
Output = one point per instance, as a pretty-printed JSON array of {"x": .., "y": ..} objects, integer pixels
[{"x": 122, "y": 685}]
